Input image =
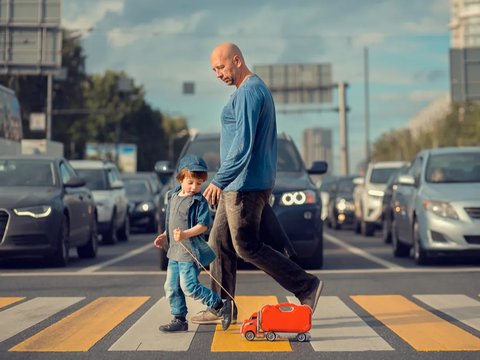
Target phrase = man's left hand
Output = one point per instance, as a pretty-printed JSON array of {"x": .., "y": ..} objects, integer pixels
[{"x": 212, "y": 194}]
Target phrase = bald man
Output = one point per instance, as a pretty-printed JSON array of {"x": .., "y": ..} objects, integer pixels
[{"x": 244, "y": 183}]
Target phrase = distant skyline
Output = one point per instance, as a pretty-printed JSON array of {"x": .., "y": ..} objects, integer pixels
[{"x": 162, "y": 44}]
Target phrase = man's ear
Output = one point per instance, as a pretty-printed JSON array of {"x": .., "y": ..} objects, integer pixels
[{"x": 237, "y": 61}]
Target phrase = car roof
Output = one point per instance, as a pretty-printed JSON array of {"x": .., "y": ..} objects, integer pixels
[
  {"x": 451, "y": 149},
  {"x": 91, "y": 164},
  {"x": 31, "y": 157}
]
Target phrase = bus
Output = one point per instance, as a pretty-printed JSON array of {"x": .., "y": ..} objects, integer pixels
[{"x": 11, "y": 132}]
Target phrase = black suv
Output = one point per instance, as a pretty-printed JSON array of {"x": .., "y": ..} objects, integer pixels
[{"x": 295, "y": 199}]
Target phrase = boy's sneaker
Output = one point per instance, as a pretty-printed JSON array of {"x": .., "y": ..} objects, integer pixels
[
  {"x": 176, "y": 325},
  {"x": 311, "y": 299}
]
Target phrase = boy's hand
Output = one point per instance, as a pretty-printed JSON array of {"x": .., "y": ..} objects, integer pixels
[
  {"x": 160, "y": 241},
  {"x": 178, "y": 234}
]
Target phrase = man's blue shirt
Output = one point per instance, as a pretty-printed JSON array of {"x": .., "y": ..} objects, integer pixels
[{"x": 248, "y": 141}]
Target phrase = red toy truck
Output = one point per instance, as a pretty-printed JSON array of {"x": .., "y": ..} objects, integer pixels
[{"x": 285, "y": 318}]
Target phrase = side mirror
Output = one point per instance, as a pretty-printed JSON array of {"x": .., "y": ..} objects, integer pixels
[
  {"x": 318, "y": 168},
  {"x": 163, "y": 168},
  {"x": 75, "y": 182},
  {"x": 359, "y": 181},
  {"x": 406, "y": 180}
]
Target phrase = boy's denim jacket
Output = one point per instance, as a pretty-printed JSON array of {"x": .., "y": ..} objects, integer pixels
[{"x": 198, "y": 213}]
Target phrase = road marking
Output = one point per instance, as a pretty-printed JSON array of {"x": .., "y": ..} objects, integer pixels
[
  {"x": 5, "y": 301},
  {"x": 335, "y": 327},
  {"x": 93, "y": 268},
  {"x": 84, "y": 328},
  {"x": 22, "y": 316},
  {"x": 145, "y": 336},
  {"x": 359, "y": 252},
  {"x": 460, "y": 307},
  {"x": 232, "y": 341},
  {"x": 420, "y": 328}
]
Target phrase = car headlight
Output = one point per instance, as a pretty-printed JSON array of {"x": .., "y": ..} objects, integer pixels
[
  {"x": 440, "y": 208},
  {"x": 343, "y": 204},
  {"x": 145, "y": 206},
  {"x": 298, "y": 198},
  {"x": 36, "y": 212}
]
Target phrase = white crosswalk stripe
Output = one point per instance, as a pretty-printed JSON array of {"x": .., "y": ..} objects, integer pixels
[
  {"x": 145, "y": 336},
  {"x": 337, "y": 328},
  {"x": 22, "y": 316}
]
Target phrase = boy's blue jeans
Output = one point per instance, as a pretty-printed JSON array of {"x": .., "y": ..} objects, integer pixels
[{"x": 182, "y": 280}]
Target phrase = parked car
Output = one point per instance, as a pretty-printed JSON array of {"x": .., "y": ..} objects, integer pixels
[
  {"x": 437, "y": 205},
  {"x": 45, "y": 209},
  {"x": 368, "y": 195},
  {"x": 341, "y": 209},
  {"x": 295, "y": 199},
  {"x": 387, "y": 207},
  {"x": 143, "y": 193},
  {"x": 103, "y": 178}
]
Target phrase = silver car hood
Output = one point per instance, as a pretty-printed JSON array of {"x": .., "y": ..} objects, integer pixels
[{"x": 452, "y": 192}]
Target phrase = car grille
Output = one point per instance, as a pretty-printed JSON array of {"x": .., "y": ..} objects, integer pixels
[
  {"x": 3, "y": 222},
  {"x": 474, "y": 213},
  {"x": 472, "y": 239}
]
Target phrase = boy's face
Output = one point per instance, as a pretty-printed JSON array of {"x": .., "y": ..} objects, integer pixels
[{"x": 191, "y": 186}]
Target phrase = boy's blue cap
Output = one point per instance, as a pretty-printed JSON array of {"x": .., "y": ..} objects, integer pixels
[{"x": 192, "y": 162}]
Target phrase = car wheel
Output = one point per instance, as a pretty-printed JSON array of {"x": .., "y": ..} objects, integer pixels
[
  {"x": 153, "y": 224},
  {"x": 90, "y": 249},
  {"x": 387, "y": 230},
  {"x": 163, "y": 260},
  {"x": 110, "y": 236},
  {"x": 301, "y": 337},
  {"x": 124, "y": 232},
  {"x": 60, "y": 256},
  {"x": 399, "y": 248},
  {"x": 249, "y": 335},
  {"x": 270, "y": 336},
  {"x": 316, "y": 261},
  {"x": 420, "y": 255},
  {"x": 356, "y": 226},
  {"x": 367, "y": 229}
]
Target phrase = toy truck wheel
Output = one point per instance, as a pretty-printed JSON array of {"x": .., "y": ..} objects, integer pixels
[
  {"x": 301, "y": 337},
  {"x": 249, "y": 335},
  {"x": 271, "y": 336}
]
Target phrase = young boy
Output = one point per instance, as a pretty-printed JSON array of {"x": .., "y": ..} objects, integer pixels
[{"x": 187, "y": 219}]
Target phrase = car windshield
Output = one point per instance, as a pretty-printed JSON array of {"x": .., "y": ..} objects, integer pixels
[
  {"x": 346, "y": 186},
  {"x": 27, "y": 173},
  {"x": 136, "y": 187},
  {"x": 453, "y": 168},
  {"x": 381, "y": 176},
  {"x": 209, "y": 149},
  {"x": 96, "y": 179}
]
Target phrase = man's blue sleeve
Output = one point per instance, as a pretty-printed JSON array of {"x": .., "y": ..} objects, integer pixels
[{"x": 247, "y": 111}]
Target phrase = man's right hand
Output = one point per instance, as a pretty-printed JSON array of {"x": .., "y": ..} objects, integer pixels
[{"x": 212, "y": 194}]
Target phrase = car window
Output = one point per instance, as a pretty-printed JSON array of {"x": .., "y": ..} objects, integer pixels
[
  {"x": 96, "y": 179},
  {"x": 381, "y": 175},
  {"x": 27, "y": 173},
  {"x": 136, "y": 187},
  {"x": 288, "y": 158},
  {"x": 346, "y": 186},
  {"x": 456, "y": 167},
  {"x": 65, "y": 173}
]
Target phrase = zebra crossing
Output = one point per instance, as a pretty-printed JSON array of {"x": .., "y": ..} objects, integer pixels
[{"x": 425, "y": 322}]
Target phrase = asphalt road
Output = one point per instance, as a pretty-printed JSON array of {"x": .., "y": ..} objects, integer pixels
[{"x": 373, "y": 307}]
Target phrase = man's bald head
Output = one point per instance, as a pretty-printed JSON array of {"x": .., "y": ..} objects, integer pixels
[{"x": 228, "y": 63}]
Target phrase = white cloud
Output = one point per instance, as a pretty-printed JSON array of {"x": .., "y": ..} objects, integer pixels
[
  {"x": 424, "y": 95},
  {"x": 87, "y": 15}
]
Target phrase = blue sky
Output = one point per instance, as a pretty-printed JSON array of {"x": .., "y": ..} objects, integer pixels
[{"x": 162, "y": 44}]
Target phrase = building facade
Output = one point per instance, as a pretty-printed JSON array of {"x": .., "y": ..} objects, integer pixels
[
  {"x": 317, "y": 145},
  {"x": 465, "y": 24}
]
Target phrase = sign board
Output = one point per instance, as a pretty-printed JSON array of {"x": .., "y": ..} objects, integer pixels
[
  {"x": 30, "y": 36},
  {"x": 127, "y": 154},
  {"x": 298, "y": 83},
  {"x": 37, "y": 121},
  {"x": 465, "y": 74},
  {"x": 188, "y": 88}
]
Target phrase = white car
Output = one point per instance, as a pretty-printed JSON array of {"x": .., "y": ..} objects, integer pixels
[
  {"x": 103, "y": 179},
  {"x": 368, "y": 195},
  {"x": 437, "y": 205}
]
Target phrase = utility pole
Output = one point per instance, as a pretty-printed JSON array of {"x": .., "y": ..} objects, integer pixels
[
  {"x": 342, "y": 117},
  {"x": 367, "y": 106}
]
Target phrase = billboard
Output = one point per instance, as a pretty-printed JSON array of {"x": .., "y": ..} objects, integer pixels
[
  {"x": 30, "y": 36},
  {"x": 465, "y": 74},
  {"x": 127, "y": 154},
  {"x": 298, "y": 83}
]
